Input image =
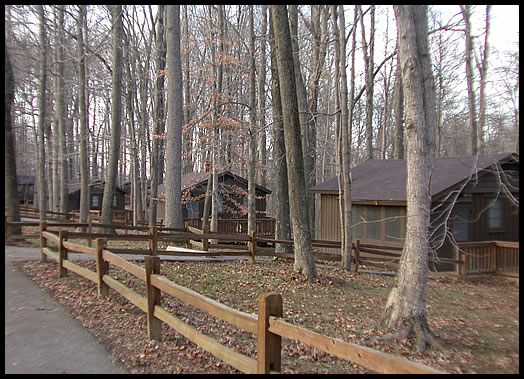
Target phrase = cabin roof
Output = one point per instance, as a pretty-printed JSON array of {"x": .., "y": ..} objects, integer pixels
[{"x": 385, "y": 180}]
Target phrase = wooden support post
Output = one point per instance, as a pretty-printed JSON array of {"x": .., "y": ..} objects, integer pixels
[
  {"x": 62, "y": 253},
  {"x": 357, "y": 255},
  {"x": 205, "y": 241},
  {"x": 102, "y": 267},
  {"x": 154, "y": 325},
  {"x": 89, "y": 230},
  {"x": 269, "y": 355},
  {"x": 187, "y": 240},
  {"x": 43, "y": 241},
  {"x": 251, "y": 247},
  {"x": 153, "y": 240}
]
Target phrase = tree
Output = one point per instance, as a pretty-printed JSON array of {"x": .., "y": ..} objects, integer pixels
[
  {"x": 158, "y": 114},
  {"x": 42, "y": 188},
  {"x": 280, "y": 182},
  {"x": 251, "y": 197},
  {"x": 405, "y": 309},
  {"x": 116, "y": 111},
  {"x": 304, "y": 262},
  {"x": 61, "y": 110},
  {"x": 174, "y": 116},
  {"x": 11, "y": 188},
  {"x": 84, "y": 185},
  {"x": 472, "y": 100}
]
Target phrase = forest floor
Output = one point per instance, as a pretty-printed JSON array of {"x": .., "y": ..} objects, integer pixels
[{"x": 477, "y": 322}]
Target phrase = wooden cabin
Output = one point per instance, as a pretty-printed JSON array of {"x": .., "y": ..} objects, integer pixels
[
  {"x": 232, "y": 196},
  {"x": 96, "y": 194},
  {"x": 26, "y": 188},
  {"x": 472, "y": 200}
]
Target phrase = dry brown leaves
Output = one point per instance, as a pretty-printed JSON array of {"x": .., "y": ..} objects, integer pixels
[{"x": 476, "y": 322}]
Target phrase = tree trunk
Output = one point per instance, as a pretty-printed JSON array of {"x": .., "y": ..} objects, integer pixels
[
  {"x": 12, "y": 210},
  {"x": 42, "y": 188},
  {"x": 173, "y": 185},
  {"x": 304, "y": 262},
  {"x": 261, "y": 104},
  {"x": 84, "y": 179},
  {"x": 116, "y": 111},
  {"x": 483, "y": 79},
  {"x": 280, "y": 181},
  {"x": 346, "y": 146},
  {"x": 472, "y": 102},
  {"x": 398, "y": 110},
  {"x": 368, "y": 63},
  {"x": 61, "y": 112},
  {"x": 158, "y": 116},
  {"x": 251, "y": 198},
  {"x": 405, "y": 310}
]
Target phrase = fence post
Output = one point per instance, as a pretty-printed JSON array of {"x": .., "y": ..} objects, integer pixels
[
  {"x": 43, "y": 241},
  {"x": 205, "y": 241},
  {"x": 154, "y": 325},
  {"x": 62, "y": 253},
  {"x": 357, "y": 255},
  {"x": 101, "y": 267},
  {"x": 251, "y": 247},
  {"x": 89, "y": 230},
  {"x": 153, "y": 240},
  {"x": 269, "y": 355}
]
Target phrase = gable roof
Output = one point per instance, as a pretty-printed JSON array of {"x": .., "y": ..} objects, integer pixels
[
  {"x": 75, "y": 186},
  {"x": 385, "y": 180},
  {"x": 194, "y": 179}
]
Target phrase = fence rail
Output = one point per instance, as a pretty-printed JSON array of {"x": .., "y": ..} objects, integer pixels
[{"x": 268, "y": 325}]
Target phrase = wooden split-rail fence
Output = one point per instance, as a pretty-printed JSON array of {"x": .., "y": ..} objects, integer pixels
[{"x": 268, "y": 325}]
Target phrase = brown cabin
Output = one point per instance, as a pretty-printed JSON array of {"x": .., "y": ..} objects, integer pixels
[
  {"x": 232, "y": 196},
  {"x": 472, "y": 200},
  {"x": 96, "y": 194}
]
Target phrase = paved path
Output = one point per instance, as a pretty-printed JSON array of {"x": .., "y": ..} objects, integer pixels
[{"x": 41, "y": 337}]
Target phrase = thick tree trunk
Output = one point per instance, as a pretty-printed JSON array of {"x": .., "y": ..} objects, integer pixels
[
  {"x": 116, "y": 110},
  {"x": 11, "y": 188},
  {"x": 173, "y": 185},
  {"x": 280, "y": 181},
  {"x": 304, "y": 262},
  {"x": 405, "y": 310}
]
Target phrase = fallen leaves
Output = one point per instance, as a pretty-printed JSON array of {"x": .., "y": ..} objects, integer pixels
[{"x": 469, "y": 318}]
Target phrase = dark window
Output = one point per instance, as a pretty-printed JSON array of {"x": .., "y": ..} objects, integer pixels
[
  {"x": 459, "y": 224},
  {"x": 496, "y": 215},
  {"x": 357, "y": 218}
]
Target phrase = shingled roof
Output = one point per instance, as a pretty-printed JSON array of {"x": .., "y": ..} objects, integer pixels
[
  {"x": 385, "y": 180},
  {"x": 193, "y": 179}
]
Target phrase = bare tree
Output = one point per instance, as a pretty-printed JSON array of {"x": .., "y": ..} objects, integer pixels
[
  {"x": 84, "y": 185},
  {"x": 304, "y": 262},
  {"x": 405, "y": 310},
  {"x": 42, "y": 188},
  {"x": 280, "y": 181},
  {"x": 251, "y": 198},
  {"x": 174, "y": 115},
  {"x": 11, "y": 188},
  {"x": 116, "y": 111}
]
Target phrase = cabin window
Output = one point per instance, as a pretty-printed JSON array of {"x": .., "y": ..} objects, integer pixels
[
  {"x": 374, "y": 223},
  {"x": 393, "y": 220},
  {"x": 496, "y": 215},
  {"x": 95, "y": 201},
  {"x": 357, "y": 215},
  {"x": 115, "y": 202},
  {"x": 192, "y": 209},
  {"x": 459, "y": 224}
]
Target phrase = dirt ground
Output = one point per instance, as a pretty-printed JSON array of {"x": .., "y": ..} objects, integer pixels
[{"x": 476, "y": 322}]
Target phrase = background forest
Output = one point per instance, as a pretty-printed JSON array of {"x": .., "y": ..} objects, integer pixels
[{"x": 67, "y": 51}]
